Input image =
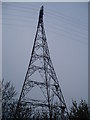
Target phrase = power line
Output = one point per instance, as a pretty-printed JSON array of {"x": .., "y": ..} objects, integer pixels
[
  {"x": 68, "y": 30},
  {"x": 67, "y": 16},
  {"x": 18, "y": 8},
  {"x": 56, "y": 25},
  {"x": 69, "y": 37},
  {"x": 25, "y": 17},
  {"x": 17, "y": 25},
  {"x": 51, "y": 30},
  {"x": 61, "y": 27},
  {"x": 68, "y": 21},
  {"x": 49, "y": 13}
]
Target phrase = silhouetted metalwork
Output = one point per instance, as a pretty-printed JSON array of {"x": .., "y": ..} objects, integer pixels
[{"x": 41, "y": 76}]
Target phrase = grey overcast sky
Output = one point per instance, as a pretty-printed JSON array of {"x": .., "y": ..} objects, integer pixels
[
  {"x": 45, "y": 0},
  {"x": 66, "y": 27}
]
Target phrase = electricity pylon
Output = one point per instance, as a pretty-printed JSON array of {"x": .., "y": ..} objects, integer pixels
[{"x": 41, "y": 87}]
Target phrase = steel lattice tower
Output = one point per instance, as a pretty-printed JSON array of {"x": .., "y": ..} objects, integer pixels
[{"x": 41, "y": 77}]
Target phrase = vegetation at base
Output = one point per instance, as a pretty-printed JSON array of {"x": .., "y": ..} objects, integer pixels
[
  {"x": 9, "y": 102},
  {"x": 79, "y": 111}
]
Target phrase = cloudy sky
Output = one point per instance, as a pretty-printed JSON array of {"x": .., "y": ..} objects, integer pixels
[{"x": 66, "y": 27}]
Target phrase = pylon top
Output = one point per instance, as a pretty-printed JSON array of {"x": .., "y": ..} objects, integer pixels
[{"x": 41, "y": 14}]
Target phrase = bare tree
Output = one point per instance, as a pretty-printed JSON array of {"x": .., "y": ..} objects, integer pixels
[
  {"x": 79, "y": 111},
  {"x": 8, "y": 100}
]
